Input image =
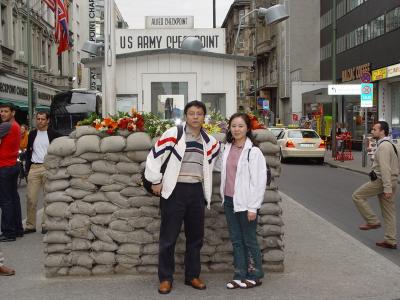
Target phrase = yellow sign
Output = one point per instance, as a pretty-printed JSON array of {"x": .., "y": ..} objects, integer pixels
[{"x": 379, "y": 74}]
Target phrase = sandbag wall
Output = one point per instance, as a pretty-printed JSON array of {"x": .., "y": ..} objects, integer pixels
[{"x": 101, "y": 221}]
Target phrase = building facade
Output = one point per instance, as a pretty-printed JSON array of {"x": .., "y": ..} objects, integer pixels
[{"x": 367, "y": 35}]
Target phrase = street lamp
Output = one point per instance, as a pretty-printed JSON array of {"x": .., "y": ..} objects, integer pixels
[{"x": 272, "y": 15}]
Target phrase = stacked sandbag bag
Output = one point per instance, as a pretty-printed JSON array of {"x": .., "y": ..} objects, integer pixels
[{"x": 100, "y": 220}]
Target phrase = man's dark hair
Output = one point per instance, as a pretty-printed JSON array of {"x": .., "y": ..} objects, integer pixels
[
  {"x": 9, "y": 105},
  {"x": 43, "y": 113},
  {"x": 384, "y": 126},
  {"x": 195, "y": 103}
]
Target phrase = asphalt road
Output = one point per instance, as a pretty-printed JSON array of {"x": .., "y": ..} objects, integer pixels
[{"x": 327, "y": 192}]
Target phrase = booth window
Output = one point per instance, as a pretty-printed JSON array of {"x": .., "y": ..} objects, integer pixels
[
  {"x": 168, "y": 99},
  {"x": 126, "y": 102},
  {"x": 215, "y": 102}
]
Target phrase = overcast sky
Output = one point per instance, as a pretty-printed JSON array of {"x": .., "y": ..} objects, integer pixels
[{"x": 134, "y": 11}]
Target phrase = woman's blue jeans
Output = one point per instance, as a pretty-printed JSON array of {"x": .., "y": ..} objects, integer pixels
[{"x": 244, "y": 242}]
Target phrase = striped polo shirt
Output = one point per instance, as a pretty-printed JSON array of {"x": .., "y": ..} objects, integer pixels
[{"x": 192, "y": 162}]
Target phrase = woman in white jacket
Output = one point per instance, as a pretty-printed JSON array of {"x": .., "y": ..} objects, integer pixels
[{"x": 243, "y": 183}]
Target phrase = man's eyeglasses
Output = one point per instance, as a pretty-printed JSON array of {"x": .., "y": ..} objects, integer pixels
[{"x": 195, "y": 114}]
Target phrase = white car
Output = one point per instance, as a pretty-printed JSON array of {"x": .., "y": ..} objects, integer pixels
[{"x": 305, "y": 143}]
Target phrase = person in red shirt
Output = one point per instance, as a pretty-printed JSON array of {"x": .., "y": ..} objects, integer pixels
[{"x": 10, "y": 137}]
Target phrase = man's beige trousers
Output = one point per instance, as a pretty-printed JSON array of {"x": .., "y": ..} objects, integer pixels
[
  {"x": 388, "y": 207},
  {"x": 36, "y": 179}
]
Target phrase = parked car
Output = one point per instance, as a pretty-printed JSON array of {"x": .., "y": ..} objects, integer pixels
[{"x": 301, "y": 143}]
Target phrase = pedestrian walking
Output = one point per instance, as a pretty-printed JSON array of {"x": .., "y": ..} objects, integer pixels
[
  {"x": 243, "y": 184},
  {"x": 4, "y": 270},
  {"x": 39, "y": 140},
  {"x": 185, "y": 188},
  {"x": 383, "y": 184},
  {"x": 24, "y": 137},
  {"x": 10, "y": 136}
]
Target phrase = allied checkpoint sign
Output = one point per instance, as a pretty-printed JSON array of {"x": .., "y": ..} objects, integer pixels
[
  {"x": 133, "y": 40},
  {"x": 367, "y": 95}
]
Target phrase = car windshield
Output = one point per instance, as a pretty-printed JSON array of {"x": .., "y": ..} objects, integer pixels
[{"x": 306, "y": 134}]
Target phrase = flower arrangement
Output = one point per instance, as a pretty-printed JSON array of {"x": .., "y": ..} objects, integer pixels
[
  {"x": 255, "y": 122},
  {"x": 112, "y": 124},
  {"x": 216, "y": 123},
  {"x": 155, "y": 126}
]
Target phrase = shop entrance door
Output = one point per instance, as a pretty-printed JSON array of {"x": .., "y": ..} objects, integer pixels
[{"x": 167, "y": 94}]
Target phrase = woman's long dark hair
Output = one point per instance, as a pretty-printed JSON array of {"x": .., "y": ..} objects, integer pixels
[{"x": 246, "y": 119}]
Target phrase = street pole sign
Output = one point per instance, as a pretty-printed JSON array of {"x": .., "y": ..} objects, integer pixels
[
  {"x": 344, "y": 89},
  {"x": 367, "y": 94}
]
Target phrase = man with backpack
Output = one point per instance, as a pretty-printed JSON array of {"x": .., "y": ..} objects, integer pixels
[
  {"x": 179, "y": 168},
  {"x": 383, "y": 183}
]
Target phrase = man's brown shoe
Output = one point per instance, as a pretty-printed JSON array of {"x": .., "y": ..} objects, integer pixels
[
  {"x": 5, "y": 271},
  {"x": 387, "y": 245},
  {"x": 369, "y": 226},
  {"x": 165, "y": 287},
  {"x": 196, "y": 283}
]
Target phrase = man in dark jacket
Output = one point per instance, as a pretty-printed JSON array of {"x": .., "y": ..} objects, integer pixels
[{"x": 39, "y": 140}]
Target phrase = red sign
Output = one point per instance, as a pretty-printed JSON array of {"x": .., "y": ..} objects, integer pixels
[
  {"x": 295, "y": 117},
  {"x": 366, "y": 77}
]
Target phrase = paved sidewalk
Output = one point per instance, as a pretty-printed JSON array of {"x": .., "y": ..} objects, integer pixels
[{"x": 322, "y": 262}]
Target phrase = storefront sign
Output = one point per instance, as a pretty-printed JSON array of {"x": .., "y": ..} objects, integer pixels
[
  {"x": 92, "y": 38},
  {"x": 132, "y": 40},
  {"x": 169, "y": 22},
  {"x": 355, "y": 72},
  {"x": 393, "y": 71},
  {"x": 266, "y": 105},
  {"x": 379, "y": 74},
  {"x": 344, "y": 89}
]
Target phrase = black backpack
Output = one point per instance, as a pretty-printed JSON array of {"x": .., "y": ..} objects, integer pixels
[
  {"x": 269, "y": 178},
  {"x": 147, "y": 184}
]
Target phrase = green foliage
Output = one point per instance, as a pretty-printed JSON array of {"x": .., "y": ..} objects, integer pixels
[
  {"x": 155, "y": 126},
  {"x": 89, "y": 120}
]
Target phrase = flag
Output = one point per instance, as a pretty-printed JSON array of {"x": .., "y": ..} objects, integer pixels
[
  {"x": 50, "y": 4},
  {"x": 62, "y": 31}
]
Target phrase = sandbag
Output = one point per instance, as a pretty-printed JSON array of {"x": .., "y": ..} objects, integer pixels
[
  {"x": 56, "y": 224},
  {"x": 138, "y": 141},
  {"x": 275, "y": 255},
  {"x": 62, "y": 146},
  {"x": 272, "y": 196},
  {"x": 51, "y": 161},
  {"x": 88, "y": 143},
  {"x": 269, "y": 230},
  {"x": 122, "y": 179},
  {"x": 77, "y": 193},
  {"x": 149, "y": 211},
  {"x": 150, "y": 249},
  {"x": 80, "y": 244},
  {"x": 137, "y": 156},
  {"x": 57, "y": 248},
  {"x": 79, "y": 221},
  {"x": 263, "y": 135},
  {"x": 82, "y": 184},
  {"x": 126, "y": 213},
  {"x": 117, "y": 199},
  {"x": 114, "y": 187},
  {"x": 101, "y": 233},
  {"x": 140, "y": 222},
  {"x": 103, "y": 258},
  {"x": 137, "y": 237},
  {"x": 112, "y": 144},
  {"x": 128, "y": 168},
  {"x": 271, "y": 219},
  {"x": 81, "y": 233},
  {"x": 79, "y": 271},
  {"x": 270, "y": 209},
  {"x": 81, "y": 258},
  {"x": 96, "y": 197},
  {"x": 154, "y": 226},
  {"x": 220, "y": 137},
  {"x": 79, "y": 170},
  {"x": 269, "y": 148},
  {"x": 57, "y": 209},
  {"x": 56, "y": 185},
  {"x": 117, "y": 157},
  {"x": 57, "y": 197},
  {"x": 149, "y": 259},
  {"x": 56, "y": 237},
  {"x": 131, "y": 191},
  {"x": 103, "y": 270},
  {"x": 272, "y": 161},
  {"x": 128, "y": 259},
  {"x": 55, "y": 174},
  {"x": 91, "y": 156},
  {"x": 70, "y": 160},
  {"x": 100, "y": 178},
  {"x": 101, "y": 219},
  {"x": 103, "y": 166},
  {"x": 142, "y": 201},
  {"x": 121, "y": 225},
  {"x": 104, "y": 207},
  {"x": 85, "y": 130},
  {"x": 132, "y": 249},
  {"x": 57, "y": 260},
  {"x": 81, "y": 207},
  {"x": 100, "y": 246}
]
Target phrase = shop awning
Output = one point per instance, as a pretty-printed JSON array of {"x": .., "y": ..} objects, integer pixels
[{"x": 22, "y": 105}]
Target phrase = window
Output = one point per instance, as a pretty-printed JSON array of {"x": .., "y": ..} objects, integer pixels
[
  {"x": 240, "y": 85},
  {"x": 341, "y": 9},
  {"x": 326, "y": 51},
  {"x": 125, "y": 103},
  {"x": 168, "y": 99},
  {"x": 341, "y": 44},
  {"x": 298, "y": 134},
  {"x": 351, "y": 4},
  {"x": 376, "y": 27},
  {"x": 393, "y": 19},
  {"x": 395, "y": 104},
  {"x": 215, "y": 102},
  {"x": 326, "y": 19}
]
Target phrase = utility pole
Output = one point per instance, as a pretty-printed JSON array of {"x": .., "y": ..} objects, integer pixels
[
  {"x": 30, "y": 83},
  {"x": 214, "y": 16},
  {"x": 334, "y": 112}
]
